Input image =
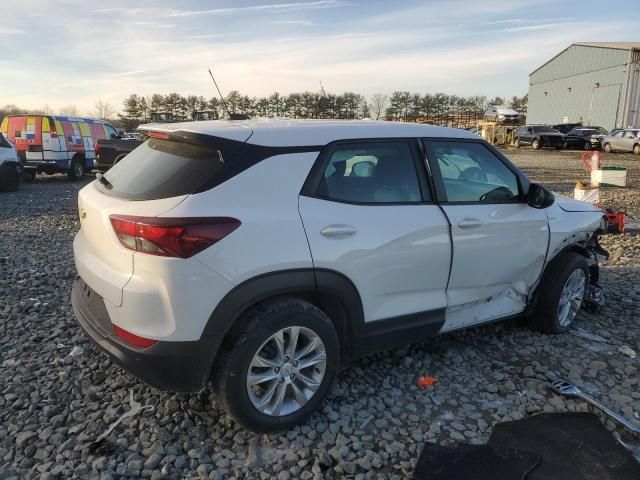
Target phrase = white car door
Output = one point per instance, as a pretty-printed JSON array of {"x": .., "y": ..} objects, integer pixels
[
  {"x": 499, "y": 242},
  {"x": 369, "y": 215}
]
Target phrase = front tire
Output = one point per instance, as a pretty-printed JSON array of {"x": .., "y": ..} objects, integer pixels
[
  {"x": 607, "y": 147},
  {"x": 517, "y": 143},
  {"x": 636, "y": 149},
  {"x": 76, "y": 169},
  {"x": 279, "y": 367},
  {"x": 561, "y": 294},
  {"x": 535, "y": 144},
  {"x": 587, "y": 146}
]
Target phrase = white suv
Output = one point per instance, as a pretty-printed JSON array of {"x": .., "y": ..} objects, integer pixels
[{"x": 263, "y": 254}]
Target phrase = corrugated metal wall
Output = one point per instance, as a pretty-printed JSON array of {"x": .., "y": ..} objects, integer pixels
[
  {"x": 631, "y": 115},
  {"x": 582, "y": 83}
]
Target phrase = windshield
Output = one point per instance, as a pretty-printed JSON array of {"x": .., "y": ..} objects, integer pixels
[
  {"x": 161, "y": 169},
  {"x": 544, "y": 130}
]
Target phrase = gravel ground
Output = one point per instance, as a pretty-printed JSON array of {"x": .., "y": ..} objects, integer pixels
[{"x": 56, "y": 398}]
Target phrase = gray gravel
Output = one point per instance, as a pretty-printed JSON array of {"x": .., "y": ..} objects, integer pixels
[{"x": 53, "y": 405}]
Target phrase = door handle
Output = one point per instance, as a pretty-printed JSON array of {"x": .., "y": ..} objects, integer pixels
[
  {"x": 469, "y": 223},
  {"x": 337, "y": 231}
]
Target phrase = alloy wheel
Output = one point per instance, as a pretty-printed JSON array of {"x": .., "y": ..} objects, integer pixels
[
  {"x": 286, "y": 371},
  {"x": 571, "y": 297}
]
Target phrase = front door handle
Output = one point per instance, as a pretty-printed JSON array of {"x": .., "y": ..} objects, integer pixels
[
  {"x": 469, "y": 223},
  {"x": 338, "y": 231}
]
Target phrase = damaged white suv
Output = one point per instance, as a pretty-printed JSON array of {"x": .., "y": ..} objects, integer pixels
[{"x": 262, "y": 255}]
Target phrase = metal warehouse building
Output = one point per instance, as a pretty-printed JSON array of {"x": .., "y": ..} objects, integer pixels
[{"x": 598, "y": 83}]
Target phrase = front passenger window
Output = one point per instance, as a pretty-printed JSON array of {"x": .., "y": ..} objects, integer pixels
[{"x": 472, "y": 173}]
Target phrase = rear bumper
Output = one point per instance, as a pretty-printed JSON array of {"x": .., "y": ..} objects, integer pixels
[{"x": 174, "y": 366}]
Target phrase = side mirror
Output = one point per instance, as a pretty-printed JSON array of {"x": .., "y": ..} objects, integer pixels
[{"x": 539, "y": 197}]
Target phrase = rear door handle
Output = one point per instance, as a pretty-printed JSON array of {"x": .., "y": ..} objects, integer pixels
[
  {"x": 469, "y": 223},
  {"x": 338, "y": 231}
]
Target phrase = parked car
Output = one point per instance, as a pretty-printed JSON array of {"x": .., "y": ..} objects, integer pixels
[
  {"x": 501, "y": 114},
  {"x": 110, "y": 151},
  {"x": 132, "y": 136},
  {"x": 622, "y": 141},
  {"x": 565, "y": 127},
  {"x": 538, "y": 136},
  {"x": 10, "y": 168},
  {"x": 55, "y": 144},
  {"x": 268, "y": 253},
  {"x": 585, "y": 138}
]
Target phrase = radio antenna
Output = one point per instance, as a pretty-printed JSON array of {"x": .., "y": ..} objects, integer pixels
[{"x": 224, "y": 104}]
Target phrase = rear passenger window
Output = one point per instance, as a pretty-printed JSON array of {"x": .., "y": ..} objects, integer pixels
[
  {"x": 370, "y": 173},
  {"x": 472, "y": 173}
]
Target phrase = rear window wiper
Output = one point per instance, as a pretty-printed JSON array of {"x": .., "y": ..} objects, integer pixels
[{"x": 103, "y": 180}]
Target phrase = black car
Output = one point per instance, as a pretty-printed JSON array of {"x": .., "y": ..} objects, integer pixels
[
  {"x": 538, "y": 136},
  {"x": 584, "y": 138}
]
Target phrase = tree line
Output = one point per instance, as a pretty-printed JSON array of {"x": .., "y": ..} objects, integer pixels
[{"x": 438, "y": 108}]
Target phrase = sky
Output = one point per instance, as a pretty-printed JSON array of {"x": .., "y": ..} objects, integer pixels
[{"x": 61, "y": 52}]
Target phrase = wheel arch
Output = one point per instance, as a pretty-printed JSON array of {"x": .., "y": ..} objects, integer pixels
[
  {"x": 330, "y": 291},
  {"x": 578, "y": 248}
]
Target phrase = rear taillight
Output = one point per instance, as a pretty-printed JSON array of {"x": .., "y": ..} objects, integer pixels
[
  {"x": 132, "y": 338},
  {"x": 96, "y": 148},
  {"x": 161, "y": 135},
  {"x": 171, "y": 237}
]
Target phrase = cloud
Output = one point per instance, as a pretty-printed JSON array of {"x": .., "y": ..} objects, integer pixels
[
  {"x": 542, "y": 26},
  {"x": 11, "y": 30},
  {"x": 302, "y": 23},
  {"x": 272, "y": 8},
  {"x": 508, "y": 20}
]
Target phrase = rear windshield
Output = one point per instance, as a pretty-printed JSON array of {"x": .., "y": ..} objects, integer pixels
[{"x": 162, "y": 169}]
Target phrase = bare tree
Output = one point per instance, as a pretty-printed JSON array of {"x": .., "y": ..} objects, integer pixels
[
  {"x": 103, "y": 110},
  {"x": 378, "y": 105},
  {"x": 45, "y": 110},
  {"x": 69, "y": 110}
]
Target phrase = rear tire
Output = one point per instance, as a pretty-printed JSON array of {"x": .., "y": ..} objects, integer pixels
[
  {"x": 607, "y": 147},
  {"x": 535, "y": 144},
  {"x": 517, "y": 143},
  {"x": 254, "y": 353},
  {"x": 10, "y": 179},
  {"x": 587, "y": 146},
  {"x": 76, "y": 169},
  {"x": 561, "y": 294}
]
